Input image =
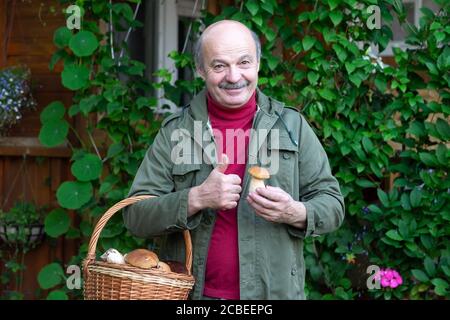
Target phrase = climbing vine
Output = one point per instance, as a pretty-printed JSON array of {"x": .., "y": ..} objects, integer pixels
[{"x": 384, "y": 125}]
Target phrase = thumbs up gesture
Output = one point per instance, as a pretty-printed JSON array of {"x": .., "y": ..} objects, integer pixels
[{"x": 219, "y": 191}]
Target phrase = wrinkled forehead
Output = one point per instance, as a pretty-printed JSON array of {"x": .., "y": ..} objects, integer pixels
[{"x": 231, "y": 42}]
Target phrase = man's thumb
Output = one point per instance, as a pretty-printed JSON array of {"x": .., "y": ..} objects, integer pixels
[{"x": 223, "y": 165}]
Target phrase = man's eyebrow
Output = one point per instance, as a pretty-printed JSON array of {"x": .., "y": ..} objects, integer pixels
[
  {"x": 214, "y": 61},
  {"x": 244, "y": 57},
  {"x": 247, "y": 56}
]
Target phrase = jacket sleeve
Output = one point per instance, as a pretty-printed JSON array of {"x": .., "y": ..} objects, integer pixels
[
  {"x": 319, "y": 190},
  {"x": 168, "y": 212}
]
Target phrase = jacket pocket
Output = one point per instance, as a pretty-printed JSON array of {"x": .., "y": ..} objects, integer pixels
[
  {"x": 283, "y": 158},
  {"x": 184, "y": 175}
]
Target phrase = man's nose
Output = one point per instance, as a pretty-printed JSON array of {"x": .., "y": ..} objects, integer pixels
[{"x": 233, "y": 74}]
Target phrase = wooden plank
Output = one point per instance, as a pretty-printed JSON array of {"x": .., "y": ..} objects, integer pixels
[
  {"x": 33, "y": 48},
  {"x": 36, "y": 63},
  {"x": 49, "y": 83},
  {"x": 18, "y": 146},
  {"x": 43, "y": 10}
]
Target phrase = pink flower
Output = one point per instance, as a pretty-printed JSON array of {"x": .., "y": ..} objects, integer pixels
[
  {"x": 385, "y": 282},
  {"x": 389, "y": 278}
]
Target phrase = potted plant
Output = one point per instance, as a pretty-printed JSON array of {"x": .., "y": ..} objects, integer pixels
[
  {"x": 22, "y": 225},
  {"x": 15, "y": 95}
]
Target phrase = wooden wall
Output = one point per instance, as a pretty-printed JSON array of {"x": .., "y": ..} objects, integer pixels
[{"x": 36, "y": 170}]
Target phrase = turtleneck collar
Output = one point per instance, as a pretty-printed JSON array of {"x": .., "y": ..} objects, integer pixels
[{"x": 217, "y": 111}]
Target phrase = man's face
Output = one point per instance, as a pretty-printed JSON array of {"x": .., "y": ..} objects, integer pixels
[{"x": 230, "y": 66}]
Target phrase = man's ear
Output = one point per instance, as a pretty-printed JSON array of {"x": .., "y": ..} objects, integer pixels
[{"x": 201, "y": 72}]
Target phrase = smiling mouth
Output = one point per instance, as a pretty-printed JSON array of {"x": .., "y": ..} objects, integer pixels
[{"x": 234, "y": 91}]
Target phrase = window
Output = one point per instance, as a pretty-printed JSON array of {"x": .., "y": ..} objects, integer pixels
[{"x": 166, "y": 28}]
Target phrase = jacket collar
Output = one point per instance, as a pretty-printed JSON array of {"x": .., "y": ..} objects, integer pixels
[
  {"x": 265, "y": 118},
  {"x": 199, "y": 111}
]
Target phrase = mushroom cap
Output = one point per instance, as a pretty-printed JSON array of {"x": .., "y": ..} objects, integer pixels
[
  {"x": 142, "y": 258},
  {"x": 164, "y": 267},
  {"x": 259, "y": 172}
]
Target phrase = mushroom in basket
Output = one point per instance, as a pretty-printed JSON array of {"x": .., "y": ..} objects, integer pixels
[
  {"x": 142, "y": 258},
  {"x": 113, "y": 256}
]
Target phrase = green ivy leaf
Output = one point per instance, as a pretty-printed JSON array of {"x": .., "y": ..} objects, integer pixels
[
  {"x": 441, "y": 286},
  {"x": 313, "y": 77},
  {"x": 308, "y": 42},
  {"x": 417, "y": 128},
  {"x": 114, "y": 149},
  {"x": 367, "y": 144},
  {"x": 75, "y": 77},
  {"x": 327, "y": 94},
  {"x": 267, "y": 6},
  {"x": 381, "y": 83},
  {"x": 415, "y": 197},
  {"x": 87, "y": 168},
  {"x": 53, "y": 112},
  {"x": 383, "y": 198},
  {"x": 333, "y": 3},
  {"x": 340, "y": 52},
  {"x": 420, "y": 275},
  {"x": 57, "y": 295},
  {"x": 83, "y": 44},
  {"x": 442, "y": 154},
  {"x": 430, "y": 267},
  {"x": 252, "y": 7},
  {"x": 57, "y": 223},
  {"x": 336, "y": 17},
  {"x": 74, "y": 194},
  {"x": 405, "y": 202},
  {"x": 61, "y": 37},
  {"x": 443, "y": 128},
  {"x": 87, "y": 104},
  {"x": 53, "y": 134},
  {"x": 428, "y": 158},
  {"x": 51, "y": 275},
  {"x": 393, "y": 234},
  {"x": 365, "y": 183}
]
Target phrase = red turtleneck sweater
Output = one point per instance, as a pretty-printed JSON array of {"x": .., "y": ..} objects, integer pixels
[{"x": 231, "y": 129}]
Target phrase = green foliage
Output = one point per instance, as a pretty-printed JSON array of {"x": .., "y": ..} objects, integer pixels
[
  {"x": 362, "y": 108},
  {"x": 370, "y": 117},
  {"x": 113, "y": 95}
]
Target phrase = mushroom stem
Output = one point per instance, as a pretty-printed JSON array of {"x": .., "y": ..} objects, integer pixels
[{"x": 256, "y": 183}]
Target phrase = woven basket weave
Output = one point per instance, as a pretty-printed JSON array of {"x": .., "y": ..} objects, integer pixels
[{"x": 108, "y": 281}]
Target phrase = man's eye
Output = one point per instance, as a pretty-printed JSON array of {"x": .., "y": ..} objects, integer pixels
[
  {"x": 218, "y": 67},
  {"x": 245, "y": 62}
]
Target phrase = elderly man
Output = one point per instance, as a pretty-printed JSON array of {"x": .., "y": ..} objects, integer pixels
[{"x": 245, "y": 245}]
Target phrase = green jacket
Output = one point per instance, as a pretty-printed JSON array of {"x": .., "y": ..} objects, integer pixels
[{"x": 270, "y": 254}]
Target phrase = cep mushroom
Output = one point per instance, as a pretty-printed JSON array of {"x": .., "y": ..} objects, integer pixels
[
  {"x": 142, "y": 258},
  {"x": 163, "y": 267},
  {"x": 258, "y": 175}
]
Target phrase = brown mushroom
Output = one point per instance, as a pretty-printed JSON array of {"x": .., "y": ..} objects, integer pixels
[
  {"x": 142, "y": 258},
  {"x": 258, "y": 175},
  {"x": 163, "y": 267}
]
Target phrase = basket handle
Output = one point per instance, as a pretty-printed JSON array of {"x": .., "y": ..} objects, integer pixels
[{"x": 108, "y": 214}]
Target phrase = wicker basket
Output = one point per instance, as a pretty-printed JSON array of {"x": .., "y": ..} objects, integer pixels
[{"x": 107, "y": 281}]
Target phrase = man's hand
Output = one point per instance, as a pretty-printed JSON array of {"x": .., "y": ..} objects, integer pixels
[
  {"x": 276, "y": 205},
  {"x": 219, "y": 191}
]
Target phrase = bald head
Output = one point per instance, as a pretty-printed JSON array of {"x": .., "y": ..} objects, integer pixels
[{"x": 223, "y": 32}]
